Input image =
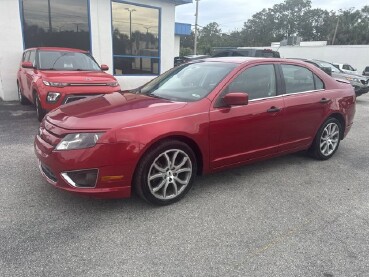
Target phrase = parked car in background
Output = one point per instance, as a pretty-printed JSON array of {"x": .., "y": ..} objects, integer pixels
[
  {"x": 197, "y": 118},
  {"x": 185, "y": 59},
  {"x": 360, "y": 83},
  {"x": 49, "y": 77},
  {"x": 366, "y": 71},
  {"x": 327, "y": 70},
  {"x": 244, "y": 52},
  {"x": 346, "y": 68}
]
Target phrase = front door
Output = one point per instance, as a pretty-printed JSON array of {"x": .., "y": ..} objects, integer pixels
[{"x": 241, "y": 133}]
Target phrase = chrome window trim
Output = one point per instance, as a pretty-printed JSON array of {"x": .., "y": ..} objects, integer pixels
[
  {"x": 286, "y": 94},
  {"x": 73, "y": 184}
]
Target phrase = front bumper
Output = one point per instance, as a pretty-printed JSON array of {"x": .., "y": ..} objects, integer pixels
[{"x": 53, "y": 164}]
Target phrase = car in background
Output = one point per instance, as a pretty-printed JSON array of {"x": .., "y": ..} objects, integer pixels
[
  {"x": 244, "y": 52},
  {"x": 366, "y": 71},
  {"x": 346, "y": 68},
  {"x": 197, "y": 118},
  {"x": 185, "y": 59},
  {"x": 360, "y": 83},
  {"x": 50, "y": 76}
]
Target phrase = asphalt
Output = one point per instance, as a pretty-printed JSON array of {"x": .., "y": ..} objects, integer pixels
[{"x": 290, "y": 216}]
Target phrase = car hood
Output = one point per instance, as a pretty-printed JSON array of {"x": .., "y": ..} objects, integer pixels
[
  {"x": 111, "y": 111},
  {"x": 77, "y": 77},
  {"x": 349, "y": 75}
]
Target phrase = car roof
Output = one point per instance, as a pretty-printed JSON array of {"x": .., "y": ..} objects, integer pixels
[
  {"x": 242, "y": 60},
  {"x": 65, "y": 49}
]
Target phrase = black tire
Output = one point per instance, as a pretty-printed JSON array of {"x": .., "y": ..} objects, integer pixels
[
  {"x": 173, "y": 190},
  {"x": 39, "y": 110},
  {"x": 23, "y": 100},
  {"x": 325, "y": 145}
]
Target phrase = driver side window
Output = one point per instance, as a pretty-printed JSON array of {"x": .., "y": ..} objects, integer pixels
[{"x": 258, "y": 82}]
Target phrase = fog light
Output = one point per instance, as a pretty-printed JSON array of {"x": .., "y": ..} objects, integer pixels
[
  {"x": 81, "y": 178},
  {"x": 53, "y": 97}
]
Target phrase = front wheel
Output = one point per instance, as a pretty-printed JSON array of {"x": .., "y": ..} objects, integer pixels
[
  {"x": 166, "y": 173},
  {"x": 39, "y": 110},
  {"x": 327, "y": 139}
]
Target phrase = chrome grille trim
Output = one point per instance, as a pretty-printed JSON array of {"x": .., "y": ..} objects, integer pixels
[
  {"x": 72, "y": 98},
  {"x": 87, "y": 84}
]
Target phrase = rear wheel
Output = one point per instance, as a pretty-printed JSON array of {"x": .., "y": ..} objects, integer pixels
[
  {"x": 23, "y": 100},
  {"x": 39, "y": 110},
  {"x": 166, "y": 173},
  {"x": 327, "y": 139}
]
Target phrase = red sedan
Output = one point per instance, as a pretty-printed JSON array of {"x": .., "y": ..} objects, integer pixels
[
  {"x": 195, "y": 119},
  {"x": 51, "y": 76}
]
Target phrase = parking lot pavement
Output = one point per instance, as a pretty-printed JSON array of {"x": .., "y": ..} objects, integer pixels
[{"x": 290, "y": 216}]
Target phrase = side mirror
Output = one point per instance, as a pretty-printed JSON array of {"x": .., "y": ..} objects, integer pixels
[
  {"x": 236, "y": 99},
  {"x": 27, "y": 65},
  {"x": 104, "y": 67},
  {"x": 327, "y": 70},
  {"x": 355, "y": 69}
]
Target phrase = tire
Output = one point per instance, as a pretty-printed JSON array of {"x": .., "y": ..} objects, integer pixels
[
  {"x": 23, "y": 100},
  {"x": 39, "y": 110},
  {"x": 166, "y": 173},
  {"x": 327, "y": 140}
]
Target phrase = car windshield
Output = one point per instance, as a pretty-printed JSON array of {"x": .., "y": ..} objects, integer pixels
[
  {"x": 325, "y": 64},
  {"x": 66, "y": 61},
  {"x": 189, "y": 82}
]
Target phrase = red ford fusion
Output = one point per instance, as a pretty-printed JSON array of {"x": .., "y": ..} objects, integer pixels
[
  {"x": 195, "y": 119},
  {"x": 49, "y": 77}
]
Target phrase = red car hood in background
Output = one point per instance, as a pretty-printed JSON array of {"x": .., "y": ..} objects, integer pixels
[
  {"x": 111, "y": 110},
  {"x": 77, "y": 77}
]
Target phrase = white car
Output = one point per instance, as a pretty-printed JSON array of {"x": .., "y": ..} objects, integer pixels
[{"x": 346, "y": 68}]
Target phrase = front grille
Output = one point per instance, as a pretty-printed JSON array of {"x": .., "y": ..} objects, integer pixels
[
  {"x": 73, "y": 98},
  {"x": 48, "y": 173},
  {"x": 88, "y": 84}
]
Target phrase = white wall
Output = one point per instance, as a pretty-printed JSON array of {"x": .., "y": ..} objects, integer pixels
[
  {"x": 355, "y": 55},
  {"x": 177, "y": 46},
  {"x": 11, "y": 45},
  {"x": 11, "y": 48}
]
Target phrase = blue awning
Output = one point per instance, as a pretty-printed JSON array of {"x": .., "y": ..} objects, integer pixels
[{"x": 182, "y": 29}]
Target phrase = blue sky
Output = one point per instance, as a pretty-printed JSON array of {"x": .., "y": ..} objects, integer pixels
[{"x": 231, "y": 14}]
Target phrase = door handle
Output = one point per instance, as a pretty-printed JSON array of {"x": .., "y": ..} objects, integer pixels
[
  {"x": 274, "y": 110},
  {"x": 325, "y": 100}
]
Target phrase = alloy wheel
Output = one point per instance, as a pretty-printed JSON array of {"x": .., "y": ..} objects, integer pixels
[
  {"x": 329, "y": 139},
  {"x": 170, "y": 174}
]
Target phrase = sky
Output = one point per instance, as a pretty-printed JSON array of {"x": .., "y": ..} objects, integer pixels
[{"x": 231, "y": 14}]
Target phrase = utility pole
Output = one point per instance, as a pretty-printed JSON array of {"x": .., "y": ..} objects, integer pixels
[
  {"x": 130, "y": 27},
  {"x": 335, "y": 32},
  {"x": 196, "y": 26},
  {"x": 49, "y": 10}
]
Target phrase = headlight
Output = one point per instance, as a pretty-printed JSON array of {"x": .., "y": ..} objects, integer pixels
[
  {"x": 352, "y": 79},
  {"x": 79, "y": 141},
  {"x": 113, "y": 84},
  {"x": 52, "y": 84},
  {"x": 53, "y": 97}
]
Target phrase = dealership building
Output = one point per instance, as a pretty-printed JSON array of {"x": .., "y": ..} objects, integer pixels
[{"x": 136, "y": 39}]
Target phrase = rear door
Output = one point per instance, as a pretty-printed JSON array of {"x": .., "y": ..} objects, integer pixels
[
  {"x": 306, "y": 104},
  {"x": 29, "y": 75},
  {"x": 241, "y": 133},
  {"x": 22, "y": 72}
]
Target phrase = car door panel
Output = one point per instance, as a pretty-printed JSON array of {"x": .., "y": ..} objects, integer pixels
[{"x": 244, "y": 133}]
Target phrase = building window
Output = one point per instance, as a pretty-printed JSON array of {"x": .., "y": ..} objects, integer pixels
[
  {"x": 136, "y": 39},
  {"x": 56, "y": 23}
]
